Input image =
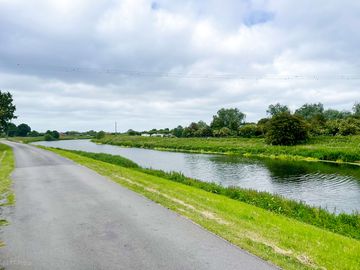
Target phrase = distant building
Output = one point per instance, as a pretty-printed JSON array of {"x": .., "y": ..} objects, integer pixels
[
  {"x": 145, "y": 134},
  {"x": 157, "y": 135}
]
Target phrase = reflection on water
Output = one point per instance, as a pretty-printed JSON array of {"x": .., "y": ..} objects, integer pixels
[{"x": 332, "y": 186}]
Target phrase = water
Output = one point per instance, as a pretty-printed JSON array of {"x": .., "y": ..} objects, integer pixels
[{"x": 332, "y": 186}]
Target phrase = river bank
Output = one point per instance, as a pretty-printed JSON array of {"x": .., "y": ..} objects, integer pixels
[
  {"x": 282, "y": 240},
  {"x": 340, "y": 149}
]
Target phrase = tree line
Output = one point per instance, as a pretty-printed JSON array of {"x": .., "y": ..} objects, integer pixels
[{"x": 282, "y": 126}]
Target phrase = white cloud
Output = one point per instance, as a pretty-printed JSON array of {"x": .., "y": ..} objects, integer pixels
[{"x": 122, "y": 48}]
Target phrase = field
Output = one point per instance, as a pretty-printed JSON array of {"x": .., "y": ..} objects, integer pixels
[
  {"x": 284, "y": 241},
  {"x": 329, "y": 148}
]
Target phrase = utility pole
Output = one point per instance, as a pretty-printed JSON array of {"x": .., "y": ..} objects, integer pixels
[{"x": 115, "y": 127}]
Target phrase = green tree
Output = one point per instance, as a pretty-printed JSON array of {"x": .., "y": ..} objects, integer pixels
[
  {"x": 178, "y": 131},
  {"x": 356, "y": 109},
  {"x": 11, "y": 130},
  {"x": 203, "y": 130},
  {"x": 349, "y": 126},
  {"x": 286, "y": 129},
  {"x": 7, "y": 110},
  {"x": 277, "y": 109},
  {"x": 48, "y": 137},
  {"x": 100, "y": 135},
  {"x": 34, "y": 133},
  {"x": 23, "y": 130},
  {"x": 229, "y": 118},
  {"x": 332, "y": 114},
  {"x": 250, "y": 130},
  {"x": 54, "y": 134},
  {"x": 308, "y": 111}
]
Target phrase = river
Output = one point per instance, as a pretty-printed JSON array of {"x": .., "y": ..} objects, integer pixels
[{"x": 332, "y": 186}]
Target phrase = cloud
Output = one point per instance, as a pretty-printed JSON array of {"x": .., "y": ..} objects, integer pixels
[{"x": 84, "y": 64}]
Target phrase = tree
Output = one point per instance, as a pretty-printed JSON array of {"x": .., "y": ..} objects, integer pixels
[
  {"x": 349, "y": 126},
  {"x": 356, "y": 109},
  {"x": 34, "y": 133},
  {"x": 11, "y": 130},
  {"x": 48, "y": 137},
  {"x": 203, "y": 130},
  {"x": 222, "y": 132},
  {"x": 286, "y": 129},
  {"x": 277, "y": 109},
  {"x": 190, "y": 130},
  {"x": 250, "y": 130},
  {"x": 332, "y": 114},
  {"x": 308, "y": 111},
  {"x": 23, "y": 130},
  {"x": 100, "y": 135},
  {"x": 54, "y": 134},
  {"x": 229, "y": 118},
  {"x": 7, "y": 110},
  {"x": 178, "y": 131}
]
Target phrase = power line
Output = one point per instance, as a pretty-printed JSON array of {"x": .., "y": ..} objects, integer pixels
[{"x": 184, "y": 75}]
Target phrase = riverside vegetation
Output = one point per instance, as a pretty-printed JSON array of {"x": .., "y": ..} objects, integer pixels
[
  {"x": 252, "y": 220},
  {"x": 328, "y": 148}
]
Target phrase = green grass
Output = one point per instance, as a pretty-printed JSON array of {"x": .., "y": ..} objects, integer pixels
[
  {"x": 7, "y": 196},
  {"x": 284, "y": 241},
  {"x": 330, "y": 148},
  {"x": 41, "y": 138},
  {"x": 345, "y": 224},
  {"x": 6, "y": 167}
]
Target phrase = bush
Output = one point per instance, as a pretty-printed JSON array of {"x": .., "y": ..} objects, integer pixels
[
  {"x": 350, "y": 126},
  {"x": 286, "y": 129},
  {"x": 250, "y": 130},
  {"x": 48, "y": 137},
  {"x": 100, "y": 135}
]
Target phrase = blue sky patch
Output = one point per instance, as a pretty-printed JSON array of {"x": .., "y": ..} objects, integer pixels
[{"x": 258, "y": 17}]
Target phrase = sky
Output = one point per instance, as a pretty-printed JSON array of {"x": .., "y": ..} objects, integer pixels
[{"x": 84, "y": 64}]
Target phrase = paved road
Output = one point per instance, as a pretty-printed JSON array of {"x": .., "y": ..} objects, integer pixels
[{"x": 68, "y": 217}]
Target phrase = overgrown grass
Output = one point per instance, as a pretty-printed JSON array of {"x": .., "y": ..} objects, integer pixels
[
  {"x": 345, "y": 224},
  {"x": 284, "y": 241},
  {"x": 6, "y": 167},
  {"x": 330, "y": 148}
]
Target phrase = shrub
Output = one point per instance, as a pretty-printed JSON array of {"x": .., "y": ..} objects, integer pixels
[
  {"x": 100, "y": 135},
  {"x": 350, "y": 126},
  {"x": 286, "y": 129},
  {"x": 48, "y": 137},
  {"x": 249, "y": 130}
]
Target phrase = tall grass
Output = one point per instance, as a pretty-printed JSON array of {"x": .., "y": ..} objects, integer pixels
[
  {"x": 345, "y": 224},
  {"x": 331, "y": 148}
]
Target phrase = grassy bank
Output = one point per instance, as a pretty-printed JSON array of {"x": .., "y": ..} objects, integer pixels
[
  {"x": 334, "y": 148},
  {"x": 7, "y": 196},
  {"x": 284, "y": 241},
  {"x": 41, "y": 138},
  {"x": 6, "y": 167}
]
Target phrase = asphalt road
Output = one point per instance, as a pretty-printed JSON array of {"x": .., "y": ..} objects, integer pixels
[{"x": 69, "y": 217}]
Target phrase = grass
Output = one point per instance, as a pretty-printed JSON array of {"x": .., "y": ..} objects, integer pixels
[
  {"x": 41, "y": 138},
  {"x": 329, "y": 148},
  {"x": 284, "y": 241},
  {"x": 6, "y": 167},
  {"x": 345, "y": 224},
  {"x": 7, "y": 196}
]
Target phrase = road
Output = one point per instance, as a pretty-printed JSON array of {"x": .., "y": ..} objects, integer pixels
[{"x": 67, "y": 216}]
